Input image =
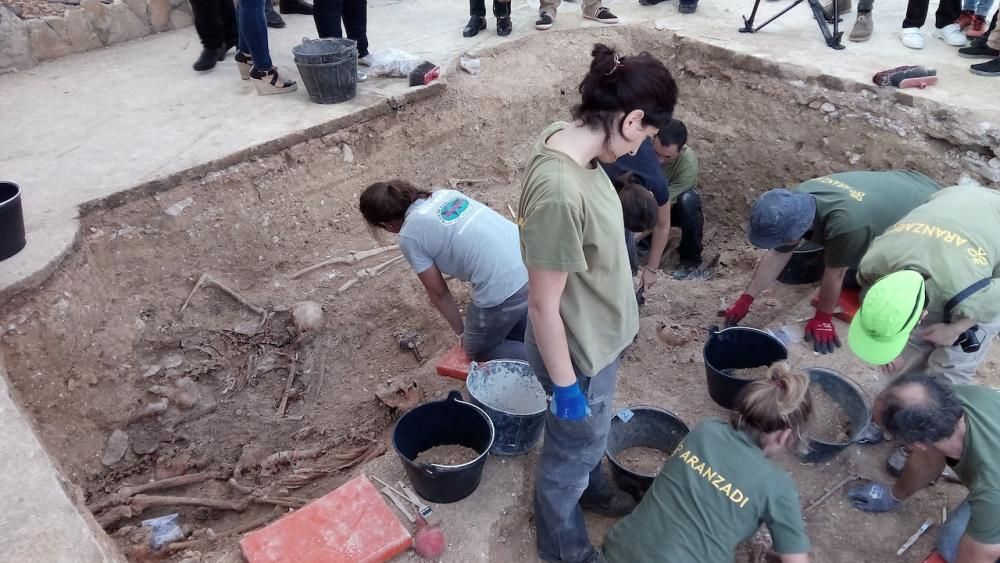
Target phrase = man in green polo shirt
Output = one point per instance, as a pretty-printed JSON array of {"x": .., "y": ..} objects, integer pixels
[
  {"x": 680, "y": 168},
  {"x": 945, "y": 252},
  {"x": 843, "y": 212},
  {"x": 944, "y": 425}
]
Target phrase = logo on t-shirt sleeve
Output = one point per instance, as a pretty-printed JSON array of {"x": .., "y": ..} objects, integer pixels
[{"x": 452, "y": 210}]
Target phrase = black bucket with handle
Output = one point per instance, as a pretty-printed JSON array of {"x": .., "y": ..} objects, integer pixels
[
  {"x": 850, "y": 398},
  {"x": 644, "y": 426},
  {"x": 805, "y": 266},
  {"x": 442, "y": 423},
  {"x": 509, "y": 392},
  {"x": 733, "y": 348},
  {"x": 329, "y": 69},
  {"x": 11, "y": 220}
]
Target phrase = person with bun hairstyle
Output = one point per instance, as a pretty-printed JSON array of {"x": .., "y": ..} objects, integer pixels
[
  {"x": 582, "y": 310},
  {"x": 720, "y": 484},
  {"x": 448, "y": 232}
]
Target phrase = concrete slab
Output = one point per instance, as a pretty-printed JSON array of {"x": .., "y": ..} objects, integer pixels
[
  {"x": 90, "y": 127},
  {"x": 39, "y": 521}
]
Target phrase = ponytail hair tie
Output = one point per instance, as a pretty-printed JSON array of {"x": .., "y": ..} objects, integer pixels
[{"x": 618, "y": 64}]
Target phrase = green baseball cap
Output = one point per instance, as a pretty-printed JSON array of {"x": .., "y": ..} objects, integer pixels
[{"x": 890, "y": 310}]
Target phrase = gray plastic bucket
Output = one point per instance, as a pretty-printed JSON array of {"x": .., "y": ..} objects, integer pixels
[
  {"x": 514, "y": 400},
  {"x": 11, "y": 220},
  {"x": 329, "y": 69}
]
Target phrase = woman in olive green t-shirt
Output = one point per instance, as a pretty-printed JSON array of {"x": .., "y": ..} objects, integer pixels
[
  {"x": 720, "y": 484},
  {"x": 581, "y": 306}
]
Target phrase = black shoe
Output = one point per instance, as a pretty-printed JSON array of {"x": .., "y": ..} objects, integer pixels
[
  {"x": 295, "y": 7},
  {"x": 272, "y": 17},
  {"x": 614, "y": 504},
  {"x": 208, "y": 58},
  {"x": 504, "y": 26},
  {"x": 649, "y": 2},
  {"x": 687, "y": 7},
  {"x": 475, "y": 25},
  {"x": 978, "y": 52},
  {"x": 991, "y": 68},
  {"x": 602, "y": 15},
  {"x": 543, "y": 22}
]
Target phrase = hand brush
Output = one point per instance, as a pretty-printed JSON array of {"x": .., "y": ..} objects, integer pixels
[{"x": 425, "y": 73}]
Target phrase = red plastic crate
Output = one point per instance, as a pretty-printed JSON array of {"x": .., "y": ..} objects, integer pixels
[
  {"x": 848, "y": 304},
  {"x": 351, "y": 524}
]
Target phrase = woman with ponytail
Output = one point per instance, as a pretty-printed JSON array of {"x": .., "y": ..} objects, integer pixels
[
  {"x": 581, "y": 307},
  {"x": 720, "y": 483},
  {"x": 447, "y": 232}
]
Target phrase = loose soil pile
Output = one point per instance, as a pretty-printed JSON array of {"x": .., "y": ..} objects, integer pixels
[
  {"x": 451, "y": 454},
  {"x": 88, "y": 352},
  {"x": 829, "y": 422},
  {"x": 643, "y": 460}
]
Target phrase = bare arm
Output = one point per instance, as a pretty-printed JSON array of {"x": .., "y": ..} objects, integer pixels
[
  {"x": 661, "y": 234},
  {"x": 971, "y": 551},
  {"x": 768, "y": 269},
  {"x": 545, "y": 290},
  {"x": 829, "y": 289},
  {"x": 922, "y": 468},
  {"x": 440, "y": 296},
  {"x": 794, "y": 557}
]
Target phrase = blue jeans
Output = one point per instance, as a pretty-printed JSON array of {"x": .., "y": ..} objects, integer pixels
[
  {"x": 493, "y": 333},
  {"x": 253, "y": 32},
  {"x": 570, "y": 464},
  {"x": 952, "y": 531}
]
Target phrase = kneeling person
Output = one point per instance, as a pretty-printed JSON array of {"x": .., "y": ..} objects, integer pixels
[
  {"x": 447, "y": 232},
  {"x": 720, "y": 484}
]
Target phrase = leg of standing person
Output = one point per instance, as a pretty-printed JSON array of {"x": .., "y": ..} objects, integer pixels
[
  {"x": 327, "y": 15},
  {"x": 546, "y": 14},
  {"x": 355, "y": 16},
  {"x": 492, "y": 333},
  {"x": 687, "y": 214},
  {"x": 571, "y": 452},
  {"x": 980, "y": 48},
  {"x": 501, "y": 9},
  {"x": 253, "y": 39},
  {"x": 863, "y": 24},
  {"x": 477, "y": 18},
  {"x": 212, "y": 31},
  {"x": 593, "y": 10},
  {"x": 946, "y": 26}
]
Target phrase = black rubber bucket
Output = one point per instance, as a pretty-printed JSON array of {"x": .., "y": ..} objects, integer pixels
[
  {"x": 805, "y": 266},
  {"x": 11, "y": 220},
  {"x": 641, "y": 425},
  {"x": 510, "y": 394},
  {"x": 329, "y": 69},
  {"x": 851, "y": 399},
  {"x": 737, "y": 347},
  {"x": 440, "y": 423}
]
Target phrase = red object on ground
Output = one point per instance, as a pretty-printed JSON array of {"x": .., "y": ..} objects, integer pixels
[
  {"x": 934, "y": 558},
  {"x": 351, "y": 524},
  {"x": 848, "y": 304},
  {"x": 454, "y": 363}
]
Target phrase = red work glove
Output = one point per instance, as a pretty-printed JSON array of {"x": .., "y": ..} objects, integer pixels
[
  {"x": 820, "y": 331},
  {"x": 739, "y": 310}
]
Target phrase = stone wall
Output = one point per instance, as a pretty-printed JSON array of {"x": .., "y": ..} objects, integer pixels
[{"x": 93, "y": 24}]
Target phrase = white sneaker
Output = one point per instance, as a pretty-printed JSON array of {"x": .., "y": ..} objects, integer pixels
[
  {"x": 912, "y": 37},
  {"x": 952, "y": 35}
]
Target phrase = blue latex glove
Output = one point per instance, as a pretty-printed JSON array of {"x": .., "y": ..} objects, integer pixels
[
  {"x": 569, "y": 403},
  {"x": 873, "y": 497}
]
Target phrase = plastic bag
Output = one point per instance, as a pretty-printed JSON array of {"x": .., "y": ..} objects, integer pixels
[
  {"x": 392, "y": 63},
  {"x": 165, "y": 529}
]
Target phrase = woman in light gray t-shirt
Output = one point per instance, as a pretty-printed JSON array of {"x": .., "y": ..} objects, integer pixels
[{"x": 446, "y": 232}]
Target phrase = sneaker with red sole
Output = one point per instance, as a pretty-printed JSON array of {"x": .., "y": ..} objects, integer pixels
[
  {"x": 978, "y": 27},
  {"x": 965, "y": 19}
]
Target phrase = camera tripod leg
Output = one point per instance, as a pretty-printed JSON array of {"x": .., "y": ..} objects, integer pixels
[
  {"x": 776, "y": 16},
  {"x": 832, "y": 38},
  {"x": 748, "y": 23}
]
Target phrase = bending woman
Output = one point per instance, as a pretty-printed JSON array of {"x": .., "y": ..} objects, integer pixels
[
  {"x": 581, "y": 307},
  {"x": 447, "y": 232},
  {"x": 720, "y": 484}
]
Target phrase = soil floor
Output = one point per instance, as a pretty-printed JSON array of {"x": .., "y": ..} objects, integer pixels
[
  {"x": 105, "y": 337},
  {"x": 38, "y": 8}
]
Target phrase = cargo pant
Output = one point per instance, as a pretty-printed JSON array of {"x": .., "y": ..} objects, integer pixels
[
  {"x": 550, "y": 6},
  {"x": 492, "y": 333},
  {"x": 994, "y": 40},
  {"x": 952, "y": 531},
  {"x": 570, "y": 464},
  {"x": 946, "y": 361}
]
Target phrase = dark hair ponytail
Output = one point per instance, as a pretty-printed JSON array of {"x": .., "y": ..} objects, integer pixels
[
  {"x": 385, "y": 202},
  {"x": 618, "y": 84},
  {"x": 639, "y": 207}
]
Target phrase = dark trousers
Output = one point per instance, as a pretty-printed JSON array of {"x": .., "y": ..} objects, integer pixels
[
  {"x": 947, "y": 12},
  {"x": 253, "y": 32},
  {"x": 329, "y": 13},
  {"x": 687, "y": 214},
  {"x": 215, "y": 22},
  {"x": 500, "y": 9},
  {"x": 569, "y": 468}
]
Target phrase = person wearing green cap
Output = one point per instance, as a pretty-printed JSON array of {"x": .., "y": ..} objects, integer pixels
[
  {"x": 843, "y": 212},
  {"x": 930, "y": 288}
]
